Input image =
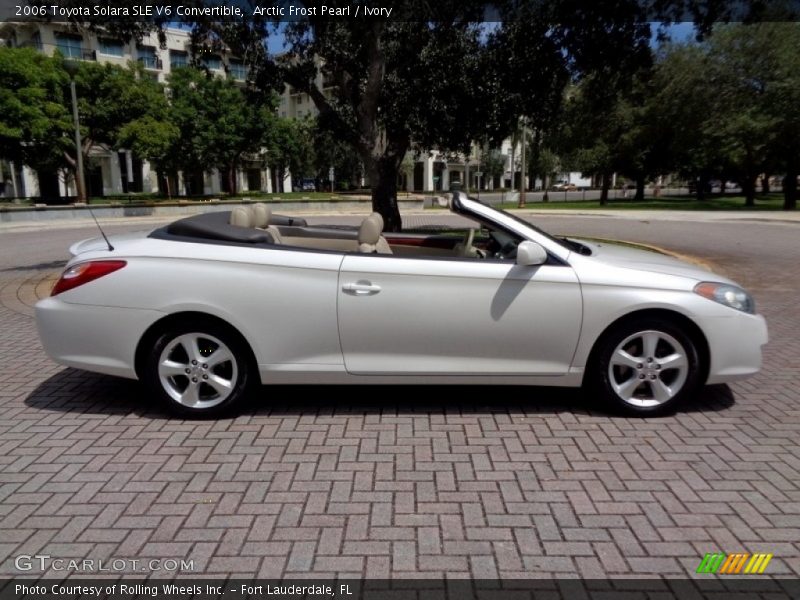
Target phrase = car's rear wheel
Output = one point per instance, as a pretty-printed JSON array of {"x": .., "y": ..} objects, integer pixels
[
  {"x": 645, "y": 367},
  {"x": 198, "y": 370}
]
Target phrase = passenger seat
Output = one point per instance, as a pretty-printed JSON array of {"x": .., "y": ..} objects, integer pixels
[{"x": 370, "y": 240}]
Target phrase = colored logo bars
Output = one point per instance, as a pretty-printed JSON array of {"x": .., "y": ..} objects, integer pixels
[{"x": 734, "y": 564}]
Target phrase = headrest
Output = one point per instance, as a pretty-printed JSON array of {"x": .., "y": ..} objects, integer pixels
[
  {"x": 262, "y": 215},
  {"x": 371, "y": 229},
  {"x": 242, "y": 217}
]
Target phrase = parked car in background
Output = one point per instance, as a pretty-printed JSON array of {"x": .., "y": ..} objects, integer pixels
[
  {"x": 564, "y": 186},
  {"x": 713, "y": 186},
  {"x": 306, "y": 185}
]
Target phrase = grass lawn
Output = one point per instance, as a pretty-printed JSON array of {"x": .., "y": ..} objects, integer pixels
[{"x": 768, "y": 202}]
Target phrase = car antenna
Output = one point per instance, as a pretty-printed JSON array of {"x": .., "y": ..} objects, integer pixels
[{"x": 103, "y": 233}]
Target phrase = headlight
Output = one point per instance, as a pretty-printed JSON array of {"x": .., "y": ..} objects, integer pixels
[{"x": 729, "y": 295}]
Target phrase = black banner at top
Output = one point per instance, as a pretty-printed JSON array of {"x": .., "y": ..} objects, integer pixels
[{"x": 187, "y": 11}]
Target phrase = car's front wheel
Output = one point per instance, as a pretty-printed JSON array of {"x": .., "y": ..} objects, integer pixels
[
  {"x": 645, "y": 367},
  {"x": 198, "y": 370}
]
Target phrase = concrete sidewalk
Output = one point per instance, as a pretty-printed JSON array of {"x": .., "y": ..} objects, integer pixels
[{"x": 777, "y": 217}]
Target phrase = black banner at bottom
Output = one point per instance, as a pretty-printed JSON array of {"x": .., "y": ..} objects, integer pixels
[{"x": 733, "y": 588}]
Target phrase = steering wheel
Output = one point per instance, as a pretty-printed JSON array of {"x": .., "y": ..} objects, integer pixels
[{"x": 468, "y": 239}]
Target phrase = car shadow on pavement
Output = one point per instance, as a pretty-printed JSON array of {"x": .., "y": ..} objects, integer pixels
[
  {"x": 79, "y": 392},
  {"x": 45, "y": 266}
]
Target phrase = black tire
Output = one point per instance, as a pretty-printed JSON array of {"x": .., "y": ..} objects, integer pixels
[
  {"x": 648, "y": 396},
  {"x": 207, "y": 397}
]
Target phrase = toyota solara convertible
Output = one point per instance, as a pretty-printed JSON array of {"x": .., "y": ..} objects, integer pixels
[{"x": 207, "y": 307}]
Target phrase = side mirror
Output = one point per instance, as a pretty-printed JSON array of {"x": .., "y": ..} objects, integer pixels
[{"x": 530, "y": 254}]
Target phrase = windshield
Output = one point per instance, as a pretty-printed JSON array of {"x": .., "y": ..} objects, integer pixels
[{"x": 560, "y": 241}]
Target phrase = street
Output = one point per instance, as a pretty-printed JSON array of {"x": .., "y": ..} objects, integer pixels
[
  {"x": 525, "y": 482},
  {"x": 534, "y": 197}
]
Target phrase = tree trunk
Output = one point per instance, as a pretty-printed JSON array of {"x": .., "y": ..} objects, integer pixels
[
  {"x": 639, "y": 188},
  {"x": 749, "y": 190},
  {"x": 232, "y": 180},
  {"x": 545, "y": 187},
  {"x": 606, "y": 183},
  {"x": 765, "y": 183},
  {"x": 702, "y": 186},
  {"x": 383, "y": 173},
  {"x": 790, "y": 186}
]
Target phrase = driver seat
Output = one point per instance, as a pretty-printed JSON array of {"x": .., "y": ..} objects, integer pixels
[{"x": 370, "y": 240}]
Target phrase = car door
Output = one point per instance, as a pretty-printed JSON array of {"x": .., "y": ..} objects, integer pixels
[{"x": 456, "y": 316}]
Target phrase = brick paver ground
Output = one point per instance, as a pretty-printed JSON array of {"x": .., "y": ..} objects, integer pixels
[{"x": 525, "y": 482}]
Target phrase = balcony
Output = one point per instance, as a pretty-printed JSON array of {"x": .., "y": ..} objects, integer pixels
[{"x": 151, "y": 63}]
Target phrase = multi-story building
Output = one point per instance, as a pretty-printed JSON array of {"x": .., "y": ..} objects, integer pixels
[{"x": 111, "y": 171}]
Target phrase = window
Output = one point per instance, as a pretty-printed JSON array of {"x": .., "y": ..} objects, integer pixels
[
  {"x": 148, "y": 57},
  {"x": 178, "y": 59},
  {"x": 212, "y": 61},
  {"x": 70, "y": 46},
  {"x": 238, "y": 70},
  {"x": 111, "y": 47}
]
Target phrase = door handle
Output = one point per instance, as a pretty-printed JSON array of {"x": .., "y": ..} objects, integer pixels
[{"x": 361, "y": 288}]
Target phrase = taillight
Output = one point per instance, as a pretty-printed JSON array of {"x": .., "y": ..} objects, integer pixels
[{"x": 84, "y": 273}]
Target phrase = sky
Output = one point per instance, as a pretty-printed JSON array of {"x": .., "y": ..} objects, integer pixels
[{"x": 679, "y": 32}]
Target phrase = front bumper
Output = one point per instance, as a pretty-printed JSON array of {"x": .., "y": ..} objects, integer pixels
[
  {"x": 735, "y": 346},
  {"x": 101, "y": 339}
]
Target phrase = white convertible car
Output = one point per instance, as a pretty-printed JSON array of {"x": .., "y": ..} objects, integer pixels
[{"x": 211, "y": 304}]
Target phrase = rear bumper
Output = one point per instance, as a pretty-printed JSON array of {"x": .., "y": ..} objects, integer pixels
[
  {"x": 735, "y": 343},
  {"x": 93, "y": 338}
]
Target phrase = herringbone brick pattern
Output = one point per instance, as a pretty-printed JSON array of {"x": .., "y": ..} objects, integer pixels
[{"x": 522, "y": 482}]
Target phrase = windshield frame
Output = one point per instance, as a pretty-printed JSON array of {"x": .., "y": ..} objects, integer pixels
[{"x": 473, "y": 208}]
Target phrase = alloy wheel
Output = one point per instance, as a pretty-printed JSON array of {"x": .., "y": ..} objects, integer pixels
[
  {"x": 197, "y": 370},
  {"x": 648, "y": 368}
]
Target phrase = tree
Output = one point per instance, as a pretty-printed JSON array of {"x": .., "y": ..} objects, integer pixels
[
  {"x": 155, "y": 141},
  {"x": 377, "y": 85},
  {"x": 109, "y": 97},
  {"x": 591, "y": 133},
  {"x": 290, "y": 146},
  {"x": 35, "y": 124},
  {"x": 410, "y": 82},
  {"x": 492, "y": 163},
  {"x": 331, "y": 152},
  {"x": 736, "y": 98},
  {"x": 218, "y": 123},
  {"x": 543, "y": 163}
]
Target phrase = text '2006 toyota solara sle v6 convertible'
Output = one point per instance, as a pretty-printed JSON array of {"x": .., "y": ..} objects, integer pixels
[{"x": 205, "y": 308}]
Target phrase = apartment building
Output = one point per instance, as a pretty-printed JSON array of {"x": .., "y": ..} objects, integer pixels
[{"x": 115, "y": 172}]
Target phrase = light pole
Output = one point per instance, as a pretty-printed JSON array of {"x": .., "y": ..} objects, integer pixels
[
  {"x": 72, "y": 68},
  {"x": 524, "y": 165}
]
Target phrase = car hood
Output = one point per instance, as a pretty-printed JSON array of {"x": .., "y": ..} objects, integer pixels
[{"x": 620, "y": 255}]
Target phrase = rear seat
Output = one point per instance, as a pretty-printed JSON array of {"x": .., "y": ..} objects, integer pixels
[
  {"x": 261, "y": 218},
  {"x": 368, "y": 239},
  {"x": 242, "y": 216}
]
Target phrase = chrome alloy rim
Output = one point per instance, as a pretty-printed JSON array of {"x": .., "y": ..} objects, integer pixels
[
  {"x": 197, "y": 370},
  {"x": 648, "y": 368}
]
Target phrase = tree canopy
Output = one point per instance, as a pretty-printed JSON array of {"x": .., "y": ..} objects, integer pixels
[{"x": 35, "y": 123}]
